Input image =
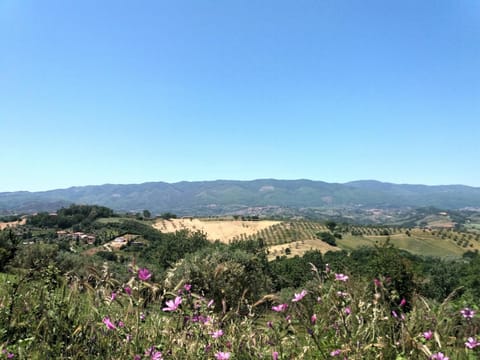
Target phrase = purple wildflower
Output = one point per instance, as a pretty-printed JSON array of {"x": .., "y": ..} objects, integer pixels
[
  {"x": 172, "y": 305},
  {"x": 300, "y": 296},
  {"x": 313, "y": 319},
  {"x": 144, "y": 274},
  {"x": 341, "y": 277},
  {"x": 335, "y": 352},
  {"x": 128, "y": 290},
  {"x": 222, "y": 355},
  {"x": 280, "y": 307},
  {"x": 275, "y": 355},
  {"x": 216, "y": 334},
  {"x": 439, "y": 356},
  {"x": 467, "y": 313},
  {"x": 472, "y": 343},
  {"x": 108, "y": 323},
  {"x": 427, "y": 335}
]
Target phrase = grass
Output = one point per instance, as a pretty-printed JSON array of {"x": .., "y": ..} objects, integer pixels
[{"x": 418, "y": 243}]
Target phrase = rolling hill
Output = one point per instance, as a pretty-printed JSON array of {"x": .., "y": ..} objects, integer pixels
[{"x": 230, "y": 196}]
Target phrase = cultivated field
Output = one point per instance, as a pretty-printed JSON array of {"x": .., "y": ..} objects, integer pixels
[
  {"x": 223, "y": 230},
  {"x": 4, "y": 225},
  {"x": 300, "y": 236}
]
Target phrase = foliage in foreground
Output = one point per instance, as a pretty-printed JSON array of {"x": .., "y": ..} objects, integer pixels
[{"x": 44, "y": 315}]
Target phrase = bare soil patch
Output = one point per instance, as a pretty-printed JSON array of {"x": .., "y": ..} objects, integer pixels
[
  {"x": 223, "y": 230},
  {"x": 299, "y": 248},
  {"x": 4, "y": 225}
]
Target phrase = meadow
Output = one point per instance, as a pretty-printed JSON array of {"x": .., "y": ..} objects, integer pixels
[{"x": 182, "y": 296}]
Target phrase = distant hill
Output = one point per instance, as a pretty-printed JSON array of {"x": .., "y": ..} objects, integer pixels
[{"x": 229, "y": 196}]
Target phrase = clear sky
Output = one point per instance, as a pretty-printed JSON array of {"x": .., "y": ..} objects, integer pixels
[{"x": 95, "y": 92}]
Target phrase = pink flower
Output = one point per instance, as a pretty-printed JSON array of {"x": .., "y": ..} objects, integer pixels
[
  {"x": 128, "y": 290},
  {"x": 142, "y": 316},
  {"x": 275, "y": 355},
  {"x": 222, "y": 355},
  {"x": 153, "y": 353},
  {"x": 428, "y": 335},
  {"x": 403, "y": 302},
  {"x": 313, "y": 319},
  {"x": 439, "y": 356},
  {"x": 108, "y": 323},
  {"x": 121, "y": 324},
  {"x": 113, "y": 296},
  {"x": 377, "y": 282},
  {"x": 216, "y": 334},
  {"x": 172, "y": 305},
  {"x": 467, "y": 313},
  {"x": 348, "y": 311},
  {"x": 280, "y": 308},
  {"x": 472, "y": 343},
  {"x": 394, "y": 314},
  {"x": 341, "y": 277},
  {"x": 335, "y": 352},
  {"x": 210, "y": 303},
  {"x": 300, "y": 296},
  {"x": 187, "y": 287},
  {"x": 144, "y": 274}
]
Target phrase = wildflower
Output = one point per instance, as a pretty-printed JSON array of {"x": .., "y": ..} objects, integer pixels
[
  {"x": 153, "y": 353},
  {"x": 275, "y": 355},
  {"x": 288, "y": 318},
  {"x": 113, "y": 296},
  {"x": 222, "y": 355},
  {"x": 472, "y": 343},
  {"x": 137, "y": 357},
  {"x": 335, "y": 352},
  {"x": 313, "y": 319},
  {"x": 128, "y": 290},
  {"x": 348, "y": 311},
  {"x": 377, "y": 282},
  {"x": 121, "y": 324},
  {"x": 341, "y": 277},
  {"x": 187, "y": 287},
  {"x": 142, "y": 316},
  {"x": 216, "y": 334},
  {"x": 280, "y": 308},
  {"x": 300, "y": 296},
  {"x": 108, "y": 323},
  {"x": 439, "y": 356},
  {"x": 128, "y": 338},
  {"x": 427, "y": 335},
  {"x": 172, "y": 305},
  {"x": 9, "y": 354},
  {"x": 210, "y": 303},
  {"x": 144, "y": 274},
  {"x": 467, "y": 313},
  {"x": 394, "y": 314},
  {"x": 403, "y": 302},
  {"x": 157, "y": 355}
]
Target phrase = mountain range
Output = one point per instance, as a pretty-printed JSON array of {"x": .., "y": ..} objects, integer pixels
[{"x": 202, "y": 198}]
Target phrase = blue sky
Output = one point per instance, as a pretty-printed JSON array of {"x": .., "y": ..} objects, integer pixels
[{"x": 95, "y": 92}]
